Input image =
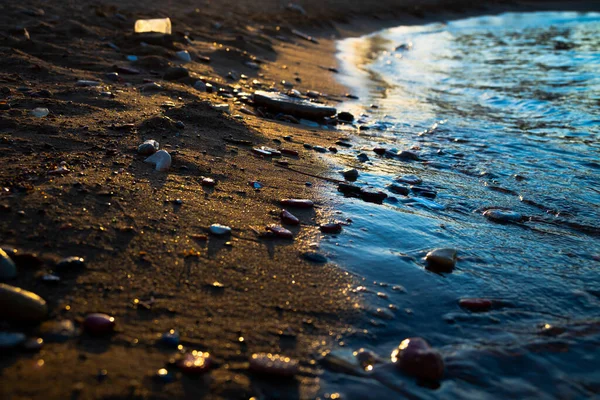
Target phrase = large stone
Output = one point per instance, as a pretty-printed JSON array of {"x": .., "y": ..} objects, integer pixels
[
  {"x": 441, "y": 260},
  {"x": 17, "y": 304},
  {"x": 290, "y": 105}
]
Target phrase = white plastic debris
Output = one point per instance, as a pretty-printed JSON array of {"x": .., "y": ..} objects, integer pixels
[
  {"x": 160, "y": 25},
  {"x": 161, "y": 159},
  {"x": 148, "y": 147},
  {"x": 40, "y": 112},
  {"x": 184, "y": 56},
  {"x": 218, "y": 229}
]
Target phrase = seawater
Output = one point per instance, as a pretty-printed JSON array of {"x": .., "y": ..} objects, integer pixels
[{"x": 504, "y": 112}]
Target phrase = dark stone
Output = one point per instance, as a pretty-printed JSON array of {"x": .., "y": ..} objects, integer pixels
[
  {"x": 372, "y": 195},
  {"x": 175, "y": 73},
  {"x": 345, "y": 116}
]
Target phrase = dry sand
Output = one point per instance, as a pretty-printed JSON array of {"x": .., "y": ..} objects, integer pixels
[{"x": 148, "y": 262}]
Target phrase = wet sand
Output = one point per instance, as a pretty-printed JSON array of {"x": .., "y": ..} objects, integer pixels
[{"x": 150, "y": 261}]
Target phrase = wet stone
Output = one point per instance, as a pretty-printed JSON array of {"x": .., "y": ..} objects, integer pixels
[
  {"x": 408, "y": 155},
  {"x": 58, "y": 331},
  {"x": 69, "y": 264},
  {"x": 372, "y": 195},
  {"x": 399, "y": 189},
  {"x": 379, "y": 150},
  {"x": 314, "y": 257},
  {"x": 349, "y": 189},
  {"x": 345, "y": 116},
  {"x": 273, "y": 364},
  {"x": 362, "y": 157},
  {"x": 280, "y": 232},
  {"x": 288, "y": 218},
  {"x": 441, "y": 260},
  {"x": 320, "y": 149},
  {"x": 98, "y": 324},
  {"x": 350, "y": 174},
  {"x": 416, "y": 358},
  {"x": 170, "y": 338},
  {"x": 498, "y": 215},
  {"x": 332, "y": 228},
  {"x": 409, "y": 179},
  {"x": 8, "y": 269},
  {"x": 475, "y": 305},
  {"x": 424, "y": 192},
  {"x": 367, "y": 359},
  {"x": 21, "y": 305}
]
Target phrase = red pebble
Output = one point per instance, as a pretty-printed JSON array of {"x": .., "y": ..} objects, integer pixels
[
  {"x": 298, "y": 203},
  {"x": 289, "y": 152},
  {"x": 415, "y": 357},
  {"x": 280, "y": 231},
  {"x": 195, "y": 363},
  {"x": 288, "y": 218},
  {"x": 476, "y": 305},
  {"x": 379, "y": 150},
  {"x": 331, "y": 228},
  {"x": 99, "y": 324}
]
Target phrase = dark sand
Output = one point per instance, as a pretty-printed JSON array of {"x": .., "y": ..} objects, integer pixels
[{"x": 118, "y": 213}]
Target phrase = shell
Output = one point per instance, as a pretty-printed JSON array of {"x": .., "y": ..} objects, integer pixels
[{"x": 161, "y": 159}]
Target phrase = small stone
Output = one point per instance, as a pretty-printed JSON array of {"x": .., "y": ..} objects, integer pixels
[
  {"x": 273, "y": 364},
  {"x": 441, "y": 260},
  {"x": 409, "y": 179},
  {"x": 408, "y": 155},
  {"x": 8, "y": 269},
  {"x": 69, "y": 264},
  {"x": 200, "y": 86},
  {"x": 289, "y": 218},
  {"x": 372, "y": 195},
  {"x": 362, "y": 157},
  {"x": 9, "y": 340},
  {"x": 98, "y": 324},
  {"x": 289, "y": 152},
  {"x": 148, "y": 147},
  {"x": 161, "y": 160},
  {"x": 220, "y": 230},
  {"x": 320, "y": 149},
  {"x": 280, "y": 232},
  {"x": 398, "y": 189},
  {"x": 475, "y": 305},
  {"x": 21, "y": 305},
  {"x": 333, "y": 228},
  {"x": 112, "y": 76},
  {"x": 175, "y": 73},
  {"x": 350, "y": 174},
  {"x": 179, "y": 125},
  {"x": 415, "y": 357},
  {"x": 58, "y": 331},
  {"x": 184, "y": 56},
  {"x": 349, "y": 189},
  {"x": 297, "y": 203},
  {"x": 170, "y": 338},
  {"x": 314, "y": 257},
  {"x": 195, "y": 363},
  {"x": 40, "y": 112},
  {"x": 345, "y": 116},
  {"x": 379, "y": 150},
  {"x": 498, "y": 215},
  {"x": 150, "y": 87}
]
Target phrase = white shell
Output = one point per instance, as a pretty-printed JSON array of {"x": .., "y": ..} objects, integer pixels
[
  {"x": 217, "y": 229},
  {"x": 161, "y": 159},
  {"x": 148, "y": 147}
]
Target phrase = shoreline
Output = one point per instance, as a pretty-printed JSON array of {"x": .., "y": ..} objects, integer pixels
[{"x": 112, "y": 206}]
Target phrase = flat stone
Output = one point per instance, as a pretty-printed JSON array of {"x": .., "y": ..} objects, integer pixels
[
  {"x": 408, "y": 155},
  {"x": 331, "y": 228},
  {"x": 372, "y": 195},
  {"x": 399, "y": 189},
  {"x": 416, "y": 358},
  {"x": 297, "y": 203},
  {"x": 290, "y": 105},
  {"x": 21, "y": 305},
  {"x": 69, "y": 264},
  {"x": 8, "y": 269},
  {"x": 345, "y": 116},
  {"x": 349, "y": 189},
  {"x": 498, "y": 215},
  {"x": 441, "y": 260}
]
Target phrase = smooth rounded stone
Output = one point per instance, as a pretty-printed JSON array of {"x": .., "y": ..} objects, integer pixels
[
  {"x": 362, "y": 157},
  {"x": 416, "y": 358},
  {"x": 40, "y": 112},
  {"x": 9, "y": 340},
  {"x": 349, "y": 189},
  {"x": 314, "y": 257},
  {"x": 372, "y": 195},
  {"x": 379, "y": 151},
  {"x": 345, "y": 116},
  {"x": 195, "y": 363},
  {"x": 175, "y": 73},
  {"x": 320, "y": 149},
  {"x": 289, "y": 218},
  {"x": 441, "y": 260},
  {"x": 289, "y": 152},
  {"x": 200, "y": 86},
  {"x": 498, "y": 215},
  {"x": 398, "y": 189},
  {"x": 409, "y": 179},
  {"x": 331, "y": 228},
  {"x": 408, "y": 155},
  {"x": 184, "y": 56},
  {"x": 280, "y": 232},
  {"x": 112, "y": 76},
  {"x": 367, "y": 359},
  {"x": 424, "y": 192},
  {"x": 161, "y": 160},
  {"x": 350, "y": 174},
  {"x": 8, "y": 269},
  {"x": 21, "y": 305},
  {"x": 58, "y": 331},
  {"x": 98, "y": 324},
  {"x": 274, "y": 364},
  {"x": 475, "y": 305},
  {"x": 297, "y": 203},
  {"x": 290, "y": 105},
  {"x": 150, "y": 87},
  {"x": 148, "y": 147},
  {"x": 220, "y": 230},
  {"x": 170, "y": 338},
  {"x": 70, "y": 264}
]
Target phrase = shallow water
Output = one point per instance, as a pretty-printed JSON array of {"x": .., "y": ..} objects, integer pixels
[{"x": 504, "y": 112}]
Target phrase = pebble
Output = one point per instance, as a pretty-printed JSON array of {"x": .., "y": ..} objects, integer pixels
[
  {"x": 8, "y": 269},
  {"x": 69, "y": 264},
  {"x": 21, "y": 305},
  {"x": 98, "y": 324},
  {"x": 220, "y": 230},
  {"x": 58, "y": 331},
  {"x": 441, "y": 260},
  {"x": 9, "y": 340},
  {"x": 112, "y": 76},
  {"x": 175, "y": 73},
  {"x": 345, "y": 116},
  {"x": 475, "y": 305},
  {"x": 379, "y": 150},
  {"x": 280, "y": 232},
  {"x": 40, "y": 112},
  {"x": 200, "y": 86},
  {"x": 416, "y": 358},
  {"x": 410, "y": 179},
  {"x": 161, "y": 160},
  {"x": 315, "y": 257},
  {"x": 349, "y": 189},
  {"x": 350, "y": 174},
  {"x": 367, "y": 359},
  {"x": 273, "y": 364},
  {"x": 148, "y": 147},
  {"x": 320, "y": 149},
  {"x": 408, "y": 155},
  {"x": 194, "y": 363},
  {"x": 297, "y": 203},
  {"x": 179, "y": 125},
  {"x": 372, "y": 195},
  {"x": 150, "y": 87},
  {"x": 288, "y": 218},
  {"x": 498, "y": 215},
  {"x": 331, "y": 228},
  {"x": 87, "y": 83},
  {"x": 170, "y": 338},
  {"x": 362, "y": 157},
  {"x": 184, "y": 56},
  {"x": 289, "y": 105},
  {"x": 398, "y": 189},
  {"x": 289, "y": 152}
]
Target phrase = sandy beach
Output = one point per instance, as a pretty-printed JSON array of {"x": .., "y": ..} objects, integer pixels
[{"x": 73, "y": 184}]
